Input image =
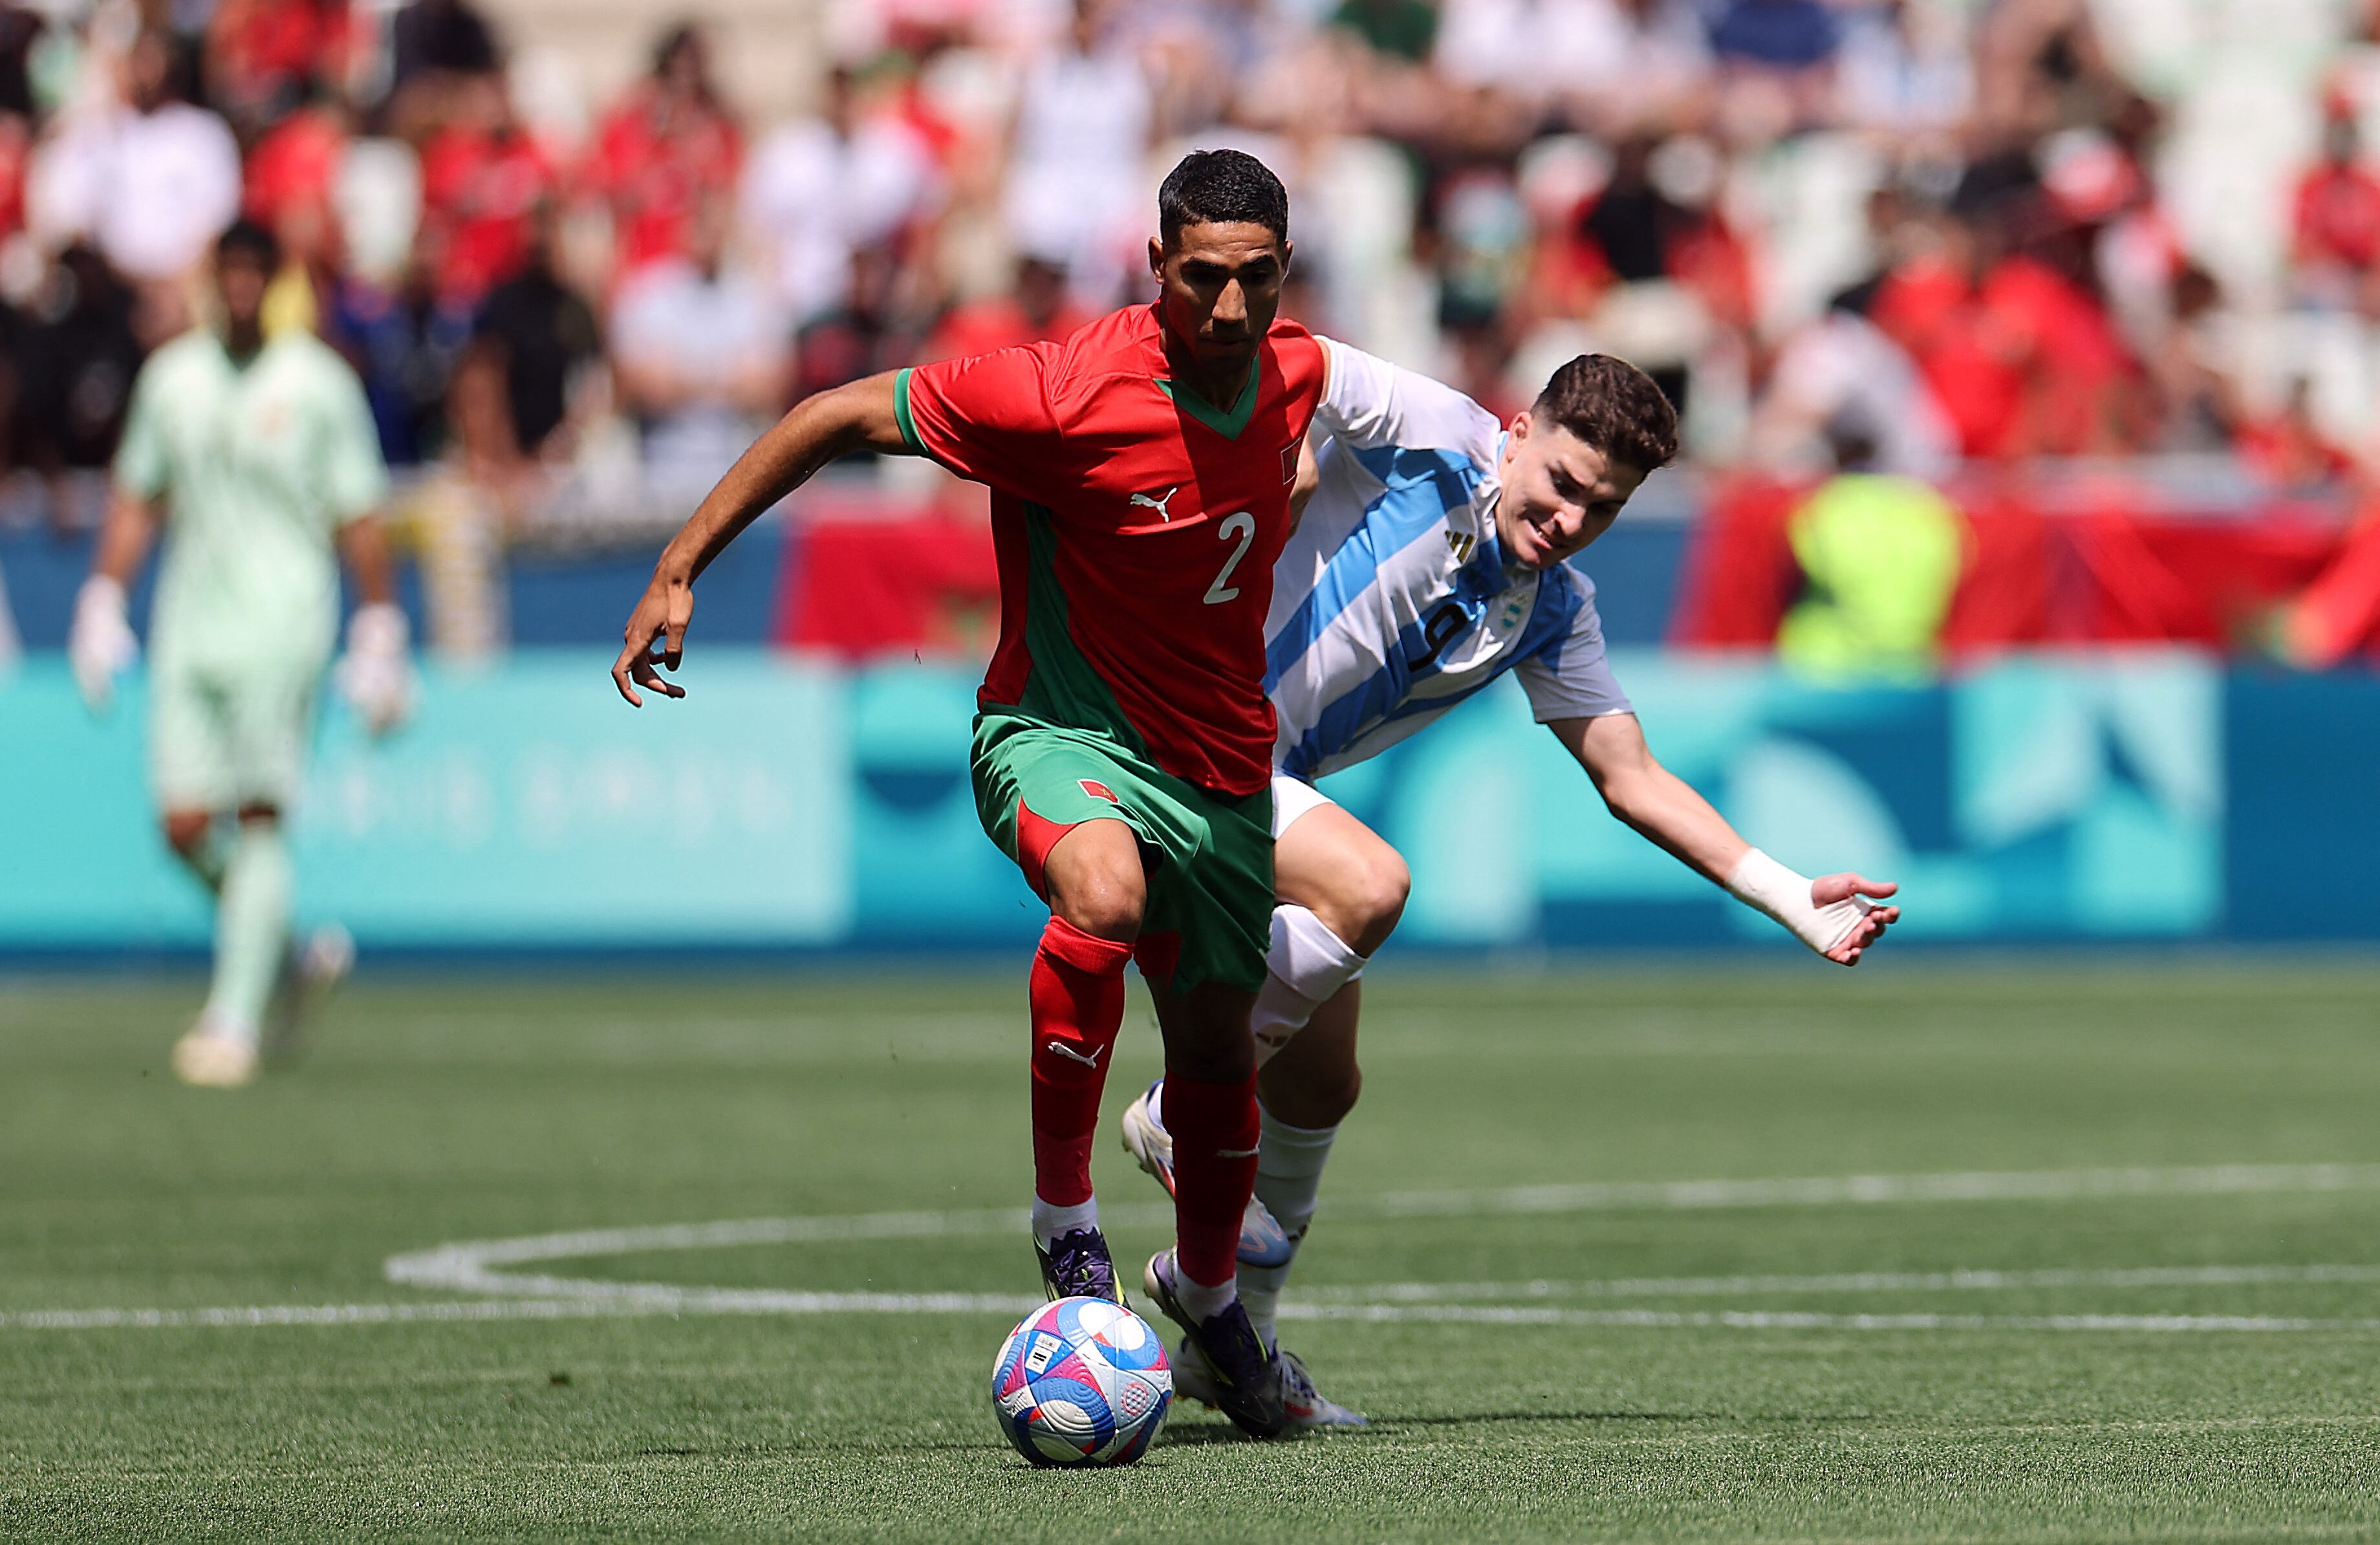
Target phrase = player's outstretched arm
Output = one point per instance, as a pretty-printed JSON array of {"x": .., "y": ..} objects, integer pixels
[
  {"x": 100, "y": 643},
  {"x": 1833, "y": 914},
  {"x": 860, "y": 416}
]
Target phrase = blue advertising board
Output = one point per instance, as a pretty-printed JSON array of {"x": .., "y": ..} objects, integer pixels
[{"x": 2136, "y": 797}]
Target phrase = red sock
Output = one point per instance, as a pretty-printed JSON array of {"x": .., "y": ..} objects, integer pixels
[
  {"x": 1214, "y": 1128},
  {"x": 1077, "y": 997}
]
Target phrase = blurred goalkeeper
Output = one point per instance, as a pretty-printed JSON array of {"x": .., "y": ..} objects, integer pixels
[
  {"x": 259, "y": 457},
  {"x": 1431, "y": 559}
]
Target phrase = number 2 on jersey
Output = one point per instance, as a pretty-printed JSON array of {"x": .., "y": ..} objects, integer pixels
[{"x": 1244, "y": 526}]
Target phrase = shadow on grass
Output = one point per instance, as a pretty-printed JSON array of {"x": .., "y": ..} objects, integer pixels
[{"x": 1223, "y": 1433}]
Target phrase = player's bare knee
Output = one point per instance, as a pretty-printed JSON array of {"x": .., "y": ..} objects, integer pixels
[
  {"x": 1103, "y": 907},
  {"x": 186, "y": 831},
  {"x": 1309, "y": 1095},
  {"x": 1338, "y": 1095},
  {"x": 1095, "y": 879},
  {"x": 1103, "y": 894},
  {"x": 1385, "y": 884}
]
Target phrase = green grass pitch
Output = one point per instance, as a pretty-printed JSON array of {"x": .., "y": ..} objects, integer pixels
[{"x": 2168, "y": 1324}]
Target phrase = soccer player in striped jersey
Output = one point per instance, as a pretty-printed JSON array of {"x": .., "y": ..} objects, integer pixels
[
  {"x": 1141, "y": 475},
  {"x": 1431, "y": 559}
]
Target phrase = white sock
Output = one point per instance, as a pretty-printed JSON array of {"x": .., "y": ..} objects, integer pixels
[
  {"x": 1303, "y": 969},
  {"x": 1288, "y": 1175},
  {"x": 1052, "y": 1223},
  {"x": 1200, "y": 1301}
]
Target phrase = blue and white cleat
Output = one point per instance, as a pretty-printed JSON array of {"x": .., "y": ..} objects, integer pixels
[
  {"x": 1263, "y": 1242},
  {"x": 1308, "y": 1408},
  {"x": 1243, "y": 1376}
]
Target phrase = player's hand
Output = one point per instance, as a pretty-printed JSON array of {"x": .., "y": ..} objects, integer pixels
[
  {"x": 1854, "y": 889},
  {"x": 660, "y": 618},
  {"x": 101, "y": 645},
  {"x": 376, "y": 673}
]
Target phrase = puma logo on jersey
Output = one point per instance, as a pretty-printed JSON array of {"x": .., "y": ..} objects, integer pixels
[
  {"x": 1157, "y": 502},
  {"x": 1062, "y": 1049}
]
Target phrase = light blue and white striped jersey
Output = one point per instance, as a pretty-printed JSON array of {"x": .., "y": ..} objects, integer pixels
[{"x": 1393, "y": 601}]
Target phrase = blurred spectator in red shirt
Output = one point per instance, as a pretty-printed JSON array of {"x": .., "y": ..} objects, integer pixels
[
  {"x": 293, "y": 169},
  {"x": 2024, "y": 359},
  {"x": 2290, "y": 449},
  {"x": 656, "y": 155},
  {"x": 1650, "y": 263},
  {"x": 262, "y": 56},
  {"x": 434, "y": 47},
  {"x": 1035, "y": 311},
  {"x": 482, "y": 181},
  {"x": 2337, "y": 242}
]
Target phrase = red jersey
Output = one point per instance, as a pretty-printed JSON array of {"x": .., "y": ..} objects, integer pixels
[{"x": 1136, "y": 527}]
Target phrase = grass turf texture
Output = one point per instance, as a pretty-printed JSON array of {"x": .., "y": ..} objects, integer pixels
[{"x": 458, "y": 1110}]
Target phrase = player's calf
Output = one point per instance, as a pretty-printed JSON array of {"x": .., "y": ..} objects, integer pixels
[{"x": 1077, "y": 993}]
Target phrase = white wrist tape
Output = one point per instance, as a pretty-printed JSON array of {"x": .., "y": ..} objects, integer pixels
[{"x": 1760, "y": 882}]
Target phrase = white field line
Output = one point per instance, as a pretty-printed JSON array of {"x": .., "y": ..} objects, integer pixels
[
  {"x": 473, "y": 1267},
  {"x": 1856, "y": 1281},
  {"x": 1835, "y": 1191},
  {"x": 710, "y": 1302},
  {"x": 469, "y": 1267},
  {"x": 1764, "y": 1319}
]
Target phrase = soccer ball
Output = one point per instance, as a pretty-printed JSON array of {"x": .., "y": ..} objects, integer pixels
[{"x": 1081, "y": 1381}]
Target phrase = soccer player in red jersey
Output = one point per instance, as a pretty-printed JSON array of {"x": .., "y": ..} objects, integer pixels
[{"x": 1141, "y": 473}]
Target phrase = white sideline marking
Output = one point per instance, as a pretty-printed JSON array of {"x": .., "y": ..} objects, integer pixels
[
  {"x": 1856, "y": 1281},
  {"x": 474, "y": 1267},
  {"x": 1744, "y": 1319},
  {"x": 1978, "y": 1186},
  {"x": 705, "y": 1302}
]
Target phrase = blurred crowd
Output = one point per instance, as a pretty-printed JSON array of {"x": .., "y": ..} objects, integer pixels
[{"x": 1889, "y": 233}]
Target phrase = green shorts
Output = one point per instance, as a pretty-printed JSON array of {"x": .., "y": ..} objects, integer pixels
[
  {"x": 220, "y": 736},
  {"x": 1208, "y": 857}
]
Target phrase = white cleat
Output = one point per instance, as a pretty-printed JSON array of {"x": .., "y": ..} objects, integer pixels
[
  {"x": 1306, "y": 1407},
  {"x": 1263, "y": 1242},
  {"x": 314, "y": 968},
  {"x": 211, "y": 1058}
]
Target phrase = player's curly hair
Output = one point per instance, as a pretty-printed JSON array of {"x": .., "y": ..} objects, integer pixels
[
  {"x": 1613, "y": 407},
  {"x": 1221, "y": 186}
]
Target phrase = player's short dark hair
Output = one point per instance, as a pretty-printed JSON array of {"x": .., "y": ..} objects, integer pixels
[
  {"x": 1222, "y": 188},
  {"x": 1613, "y": 407},
  {"x": 245, "y": 238}
]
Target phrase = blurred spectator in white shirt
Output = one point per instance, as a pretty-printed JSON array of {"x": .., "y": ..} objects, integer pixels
[
  {"x": 152, "y": 183},
  {"x": 699, "y": 353},
  {"x": 1529, "y": 49},
  {"x": 1903, "y": 70},
  {"x": 1843, "y": 373},
  {"x": 1077, "y": 183},
  {"x": 817, "y": 189}
]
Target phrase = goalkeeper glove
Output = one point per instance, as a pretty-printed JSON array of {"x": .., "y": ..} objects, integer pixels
[
  {"x": 101, "y": 645},
  {"x": 376, "y": 673}
]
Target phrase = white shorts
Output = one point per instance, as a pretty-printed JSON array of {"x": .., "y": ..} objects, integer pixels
[{"x": 1292, "y": 797}]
